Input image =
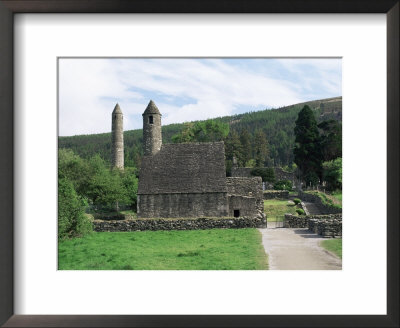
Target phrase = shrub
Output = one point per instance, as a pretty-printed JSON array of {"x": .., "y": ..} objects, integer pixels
[
  {"x": 297, "y": 201},
  {"x": 283, "y": 185},
  {"x": 300, "y": 211},
  {"x": 71, "y": 218}
]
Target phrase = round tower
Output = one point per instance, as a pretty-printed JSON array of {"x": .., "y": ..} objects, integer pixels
[
  {"x": 152, "y": 139},
  {"x": 117, "y": 138}
]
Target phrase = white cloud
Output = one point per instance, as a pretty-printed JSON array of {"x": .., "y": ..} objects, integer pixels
[{"x": 183, "y": 89}]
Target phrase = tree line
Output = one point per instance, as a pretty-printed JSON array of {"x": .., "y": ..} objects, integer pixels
[{"x": 277, "y": 125}]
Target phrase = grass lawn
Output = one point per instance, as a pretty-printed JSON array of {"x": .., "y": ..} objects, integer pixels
[
  {"x": 333, "y": 245},
  {"x": 275, "y": 209},
  {"x": 214, "y": 249}
]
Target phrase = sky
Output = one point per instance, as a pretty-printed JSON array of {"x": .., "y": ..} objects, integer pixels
[{"x": 185, "y": 89}]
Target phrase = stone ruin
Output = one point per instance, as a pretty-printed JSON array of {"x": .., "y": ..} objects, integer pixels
[{"x": 188, "y": 180}]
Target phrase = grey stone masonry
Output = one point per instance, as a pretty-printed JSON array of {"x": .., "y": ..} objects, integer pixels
[
  {"x": 184, "y": 168},
  {"x": 173, "y": 205},
  {"x": 272, "y": 194},
  {"x": 117, "y": 138},
  {"x": 245, "y": 195},
  {"x": 152, "y": 137},
  {"x": 325, "y": 225},
  {"x": 178, "y": 224}
]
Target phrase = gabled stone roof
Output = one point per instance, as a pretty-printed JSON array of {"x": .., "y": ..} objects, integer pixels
[
  {"x": 184, "y": 168},
  {"x": 117, "y": 109},
  {"x": 151, "y": 109}
]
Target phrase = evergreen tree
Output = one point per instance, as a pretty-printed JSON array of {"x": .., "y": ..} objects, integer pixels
[
  {"x": 246, "y": 146},
  {"x": 233, "y": 148},
  {"x": 260, "y": 145},
  {"x": 307, "y": 151},
  {"x": 331, "y": 139}
]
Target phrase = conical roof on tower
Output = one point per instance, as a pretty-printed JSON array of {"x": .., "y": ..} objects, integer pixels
[
  {"x": 117, "y": 109},
  {"x": 151, "y": 109}
]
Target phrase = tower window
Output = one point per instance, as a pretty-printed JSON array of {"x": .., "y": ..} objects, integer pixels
[
  {"x": 236, "y": 213},
  {"x": 150, "y": 119}
]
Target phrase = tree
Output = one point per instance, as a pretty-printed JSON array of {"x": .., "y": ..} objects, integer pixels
[
  {"x": 245, "y": 140},
  {"x": 331, "y": 139},
  {"x": 73, "y": 168},
  {"x": 130, "y": 182},
  {"x": 107, "y": 190},
  {"x": 233, "y": 147},
  {"x": 71, "y": 218},
  {"x": 260, "y": 148},
  {"x": 202, "y": 131},
  {"x": 307, "y": 150},
  {"x": 333, "y": 173},
  {"x": 186, "y": 135}
]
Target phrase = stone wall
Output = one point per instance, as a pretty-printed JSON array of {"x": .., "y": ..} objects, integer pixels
[
  {"x": 324, "y": 225},
  {"x": 178, "y": 224},
  {"x": 245, "y": 205},
  {"x": 271, "y": 194},
  {"x": 174, "y": 205},
  {"x": 328, "y": 226},
  {"x": 283, "y": 175},
  {"x": 294, "y": 221},
  {"x": 245, "y": 195},
  {"x": 246, "y": 172},
  {"x": 326, "y": 209}
]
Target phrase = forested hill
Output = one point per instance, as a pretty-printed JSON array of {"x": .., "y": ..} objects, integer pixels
[{"x": 277, "y": 124}]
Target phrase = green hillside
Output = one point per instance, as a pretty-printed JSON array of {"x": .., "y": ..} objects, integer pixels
[{"x": 277, "y": 124}]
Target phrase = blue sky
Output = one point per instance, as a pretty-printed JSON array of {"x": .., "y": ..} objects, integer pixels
[{"x": 185, "y": 89}]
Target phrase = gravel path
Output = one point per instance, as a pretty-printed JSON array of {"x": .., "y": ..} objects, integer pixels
[{"x": 297, "y": 249}]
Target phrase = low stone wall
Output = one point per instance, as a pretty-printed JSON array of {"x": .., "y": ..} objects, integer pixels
[
  {"x": 326, "y": 209},
  {"x": 327, "y": 227},
  {"x": 271, "y": 194},
  {"x": 294, "y": 221},
  {"x": 324, "y": 225},
  {"x": 178, "y": 224}
]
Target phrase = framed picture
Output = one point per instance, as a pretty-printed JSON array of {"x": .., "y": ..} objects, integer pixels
[{"x": 173, "y": 305}]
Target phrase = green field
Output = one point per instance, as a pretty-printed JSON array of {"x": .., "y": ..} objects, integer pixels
[
  {"x": 334, "y": 246},
  {"x": 275, "y": 209},
  {"x": 214, "y": 249}
]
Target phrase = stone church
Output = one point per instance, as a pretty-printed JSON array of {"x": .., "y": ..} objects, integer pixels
[{"x": 189, "y": 180}]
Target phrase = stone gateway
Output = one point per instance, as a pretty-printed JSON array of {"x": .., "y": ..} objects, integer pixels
[{"x": 188, "y": 180}]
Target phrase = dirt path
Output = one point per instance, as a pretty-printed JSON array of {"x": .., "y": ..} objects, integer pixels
[{"x": 297, "y": 249}]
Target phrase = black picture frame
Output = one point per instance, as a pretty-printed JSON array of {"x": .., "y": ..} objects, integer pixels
[{"x": 7, "y": 10}]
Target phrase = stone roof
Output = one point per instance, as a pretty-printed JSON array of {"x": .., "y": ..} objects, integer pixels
[
  {"x": 184, "y": 168},
  {"x": 117, "y": 109},
  {"x": 151, "y": 109}
]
